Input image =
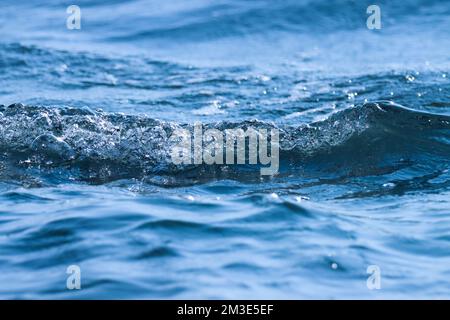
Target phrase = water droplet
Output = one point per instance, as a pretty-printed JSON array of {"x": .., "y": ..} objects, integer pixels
[{"x": 410, "y": 78}]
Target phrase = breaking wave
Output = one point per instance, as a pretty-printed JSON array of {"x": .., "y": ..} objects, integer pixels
[{"x": 103, "y": 146}]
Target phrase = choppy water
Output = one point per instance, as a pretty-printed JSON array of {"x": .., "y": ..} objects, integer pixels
[{"x": 86, "y": 177}]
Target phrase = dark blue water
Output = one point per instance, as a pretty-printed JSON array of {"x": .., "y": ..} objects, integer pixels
[{"x": 364, "y": 121}]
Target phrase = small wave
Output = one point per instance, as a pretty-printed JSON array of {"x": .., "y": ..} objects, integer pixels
[{"x": 111, "y": 146}]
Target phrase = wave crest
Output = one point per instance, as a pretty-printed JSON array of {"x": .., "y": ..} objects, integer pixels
[{"x": 116, "y": 145}]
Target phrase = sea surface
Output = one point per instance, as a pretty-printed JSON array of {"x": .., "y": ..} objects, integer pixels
[{"x": 85, "y": 171}]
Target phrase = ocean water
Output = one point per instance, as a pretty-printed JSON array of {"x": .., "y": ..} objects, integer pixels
[{"x": 85, "y": 171}]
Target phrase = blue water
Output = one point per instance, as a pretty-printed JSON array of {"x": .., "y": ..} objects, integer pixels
[{"x": 364, "y": 120}]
